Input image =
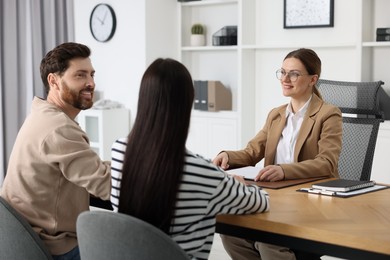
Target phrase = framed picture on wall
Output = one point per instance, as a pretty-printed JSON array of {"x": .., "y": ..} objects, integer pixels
[{"x": 308, "y": 13}]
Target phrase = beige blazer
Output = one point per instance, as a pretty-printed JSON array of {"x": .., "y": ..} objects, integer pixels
[{"x": 317, "y": 148}]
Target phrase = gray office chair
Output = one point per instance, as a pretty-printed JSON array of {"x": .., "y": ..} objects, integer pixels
[
  {"x": 17, "y": 238},
  {"x": 109, "y": 235},
  {"x": 359, "y": 103}
]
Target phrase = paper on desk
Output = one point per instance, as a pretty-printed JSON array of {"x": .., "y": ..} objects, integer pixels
[
  {"x": 248, "y": 172},
  {"x": 344, "y": 194},
  {"x": 360, "y": 191}
]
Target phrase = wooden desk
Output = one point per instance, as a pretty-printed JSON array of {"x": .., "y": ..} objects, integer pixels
[{"x": 353, "y": 228}]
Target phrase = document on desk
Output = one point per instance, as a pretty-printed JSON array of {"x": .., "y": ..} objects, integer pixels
[
  {"x": 247, "y": 172},
  {"x": 344, "y": 194},
  {"x": 250, "y": 172}
]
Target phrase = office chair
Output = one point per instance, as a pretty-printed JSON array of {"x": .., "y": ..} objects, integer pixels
[
  {"x": 109, "y": 235},
  {"x": 359, "y": 103},
  {"x": 18, "y": 240}
]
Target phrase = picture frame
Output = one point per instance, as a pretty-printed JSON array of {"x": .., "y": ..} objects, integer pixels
[{"x": 308, "y": 13}]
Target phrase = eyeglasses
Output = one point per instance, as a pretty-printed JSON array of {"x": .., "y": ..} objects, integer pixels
[{"x": 292, "y": 75}]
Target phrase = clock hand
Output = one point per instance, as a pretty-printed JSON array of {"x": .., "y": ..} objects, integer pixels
[
  {"x": 104, "y": 17},
  {"x": 101, "y": 21}
]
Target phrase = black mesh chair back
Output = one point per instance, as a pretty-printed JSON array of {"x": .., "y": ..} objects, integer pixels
[
  {"x": 359, "y": 103},
  {"x": 352, "y": 97},
  {"x": 358, "y": 147}
]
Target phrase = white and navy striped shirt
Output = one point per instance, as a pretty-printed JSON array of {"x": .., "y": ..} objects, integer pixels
[{"x": 204, "y": 192}]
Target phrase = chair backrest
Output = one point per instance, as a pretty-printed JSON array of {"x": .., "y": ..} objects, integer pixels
[
  {"x": 17, "y": 238},
  {"x": 358, "y": 147},
  {"x": 352, "y": 97},
  {"x": 360, "y": 129},
  {"x": 111, "y": 235}
]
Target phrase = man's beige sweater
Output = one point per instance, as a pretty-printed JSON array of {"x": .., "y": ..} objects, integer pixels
[{"x": 51, "y": 172}]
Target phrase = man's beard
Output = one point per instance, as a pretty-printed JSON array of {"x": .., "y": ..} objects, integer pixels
[{"x": 75, "y": 99}]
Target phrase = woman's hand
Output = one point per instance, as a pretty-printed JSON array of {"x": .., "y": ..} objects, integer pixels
[
  {"x": 270, "y": 173},
  {"x": 222, "y": 160}
]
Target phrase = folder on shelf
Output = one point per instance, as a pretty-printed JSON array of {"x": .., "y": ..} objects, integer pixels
[
  {"x": 211, "y": 95},
  {"x": 197, "y": 99}
]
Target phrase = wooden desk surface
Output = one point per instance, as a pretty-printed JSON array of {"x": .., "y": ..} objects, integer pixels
[{"x": 361, "y": 222}]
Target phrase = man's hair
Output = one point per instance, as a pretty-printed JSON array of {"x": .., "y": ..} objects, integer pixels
[{"x": 57, "y": 60}]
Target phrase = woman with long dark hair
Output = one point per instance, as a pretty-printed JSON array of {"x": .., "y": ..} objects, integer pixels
[{"x": 162, "y": 182}]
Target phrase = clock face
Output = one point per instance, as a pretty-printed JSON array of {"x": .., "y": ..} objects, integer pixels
[{"x": 102, "y": 22}]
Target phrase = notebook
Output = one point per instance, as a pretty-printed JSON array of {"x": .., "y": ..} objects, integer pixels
[{"x": 343, "y": 185}]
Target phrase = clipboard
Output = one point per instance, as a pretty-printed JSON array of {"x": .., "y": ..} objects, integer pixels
[
  {"x": 285, "y": 183},
  {"x": 346, "y": 194}
]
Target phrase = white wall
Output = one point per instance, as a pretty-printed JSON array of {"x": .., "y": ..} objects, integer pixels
[
  {"x": 145, "y": 30},
  {"x": 336, "y": 46}
]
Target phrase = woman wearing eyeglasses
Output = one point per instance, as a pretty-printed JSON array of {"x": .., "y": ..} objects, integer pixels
[{"x": 300, "y": 139}]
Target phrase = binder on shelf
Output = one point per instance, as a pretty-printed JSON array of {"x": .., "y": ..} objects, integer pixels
[
  {"x": 211, "y": 95},
  {"x": 383, "y": 37},
  {"x": 383, "y": 31},
  {"x": 201, "y": 95}
]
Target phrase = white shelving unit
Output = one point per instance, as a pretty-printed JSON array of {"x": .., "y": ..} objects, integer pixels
[
  {"x": 103, "y": 127},
  {"x": 348, "y": 52},
  {"x": 375, "y": 55},
  {"x": 211, "y": 132}
]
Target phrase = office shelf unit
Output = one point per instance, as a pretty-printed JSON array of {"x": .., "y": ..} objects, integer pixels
[
  {"x": 103, "y": 127},
  {"x": 373, "y": 65},
  {"x": 348, "y": 52},
  {"x": 211, "y": 132},
  {"x": 374, "y": 55}
]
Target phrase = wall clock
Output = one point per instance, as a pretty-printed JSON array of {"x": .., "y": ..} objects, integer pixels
[{"x": 102, "y": 22}]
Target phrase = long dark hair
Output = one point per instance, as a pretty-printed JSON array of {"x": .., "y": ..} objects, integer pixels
[{"x": 154, "y": 159}]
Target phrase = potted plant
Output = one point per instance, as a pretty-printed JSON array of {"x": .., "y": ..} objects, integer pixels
[{"x": 197, "y": 35}]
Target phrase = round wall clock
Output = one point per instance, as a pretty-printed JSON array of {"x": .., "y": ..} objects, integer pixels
[{"x": 102, "y": 22}]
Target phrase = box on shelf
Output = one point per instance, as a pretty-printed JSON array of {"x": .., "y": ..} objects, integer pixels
[
  {"x": 227, "y": 35},
  {"x": 212, "y": 96}
]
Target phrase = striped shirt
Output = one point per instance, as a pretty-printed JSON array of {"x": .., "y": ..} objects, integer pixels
[{"x": 204, "y": 192}]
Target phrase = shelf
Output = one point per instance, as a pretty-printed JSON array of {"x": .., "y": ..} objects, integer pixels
[
  {"x": 219, "y": 114},
  {"x": 296, "y": 46},
  {"x": 209, "y": 2},
  {"x": 376, "y": 44},
  {"x": 210, "y": 48},
  {"x": 98, "y": 125}
]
